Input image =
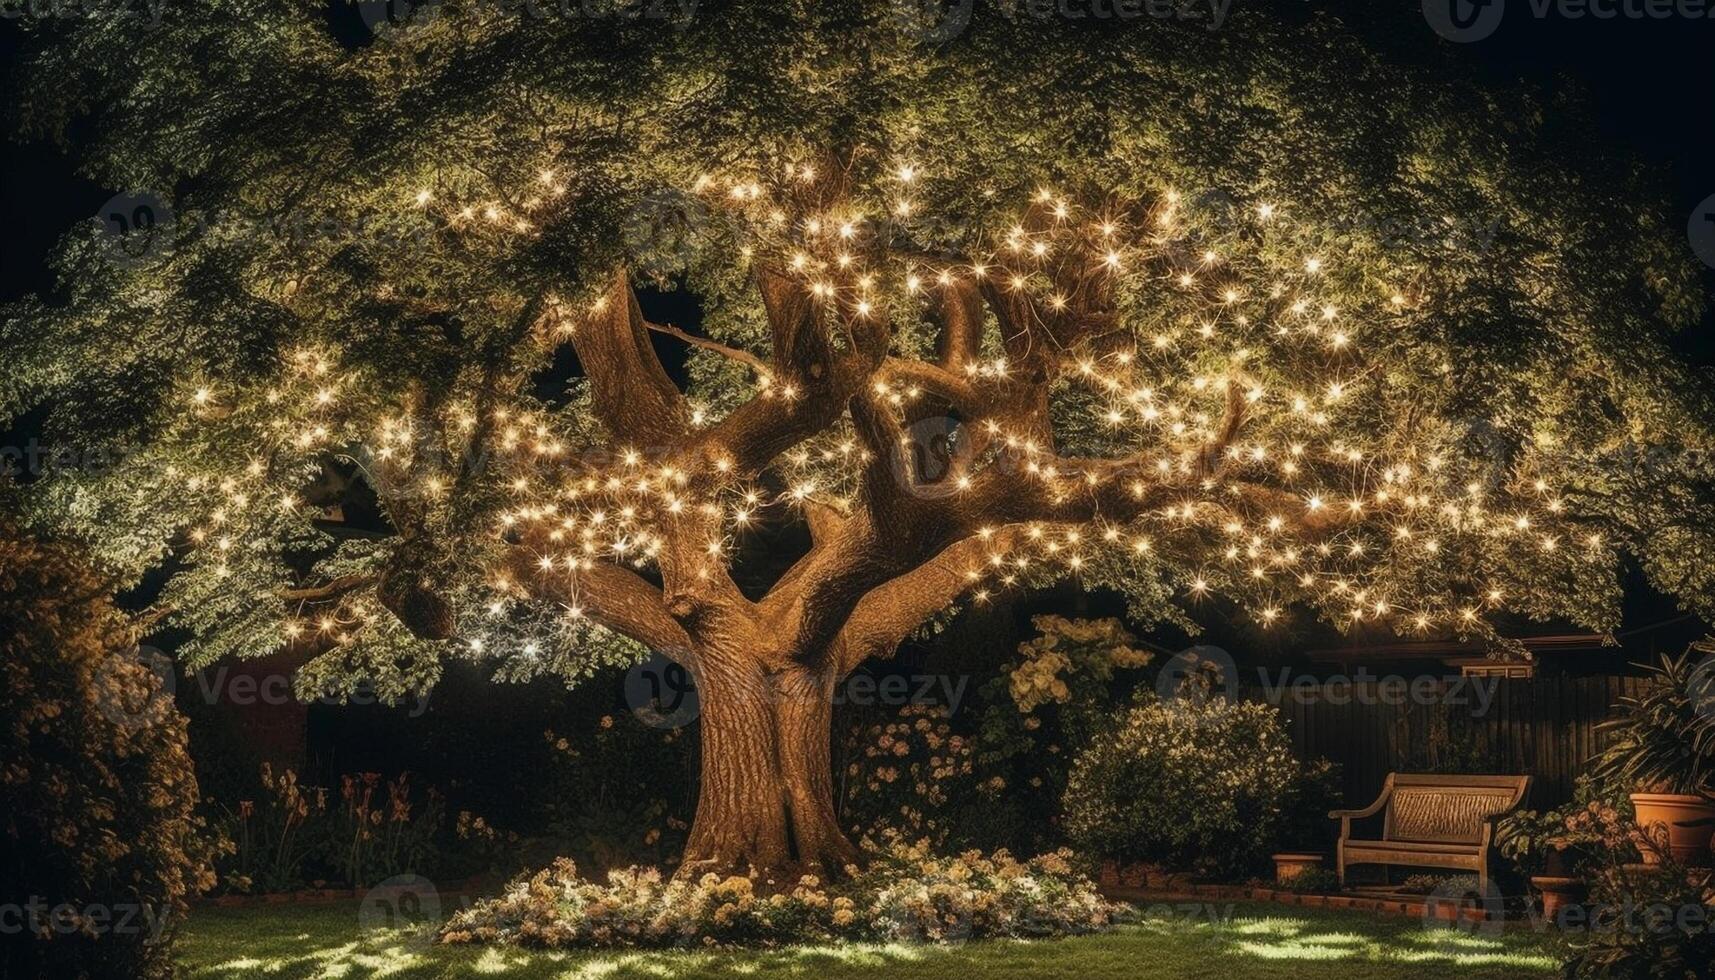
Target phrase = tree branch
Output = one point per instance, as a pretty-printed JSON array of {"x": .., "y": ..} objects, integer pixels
[
  {"x": 632, "y": 394},
  {"x": 888, "y": 614},
  {"x": 610, "y": 595},
  {"x": 332, "y": 590},
  {"x": 731, "y": 353}
]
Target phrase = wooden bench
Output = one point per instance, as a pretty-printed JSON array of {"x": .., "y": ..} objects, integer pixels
[{"x": 1432, "y": 821}]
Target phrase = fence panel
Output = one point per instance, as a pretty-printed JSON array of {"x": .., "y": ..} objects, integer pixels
[{"x": 1541, "y": 726}]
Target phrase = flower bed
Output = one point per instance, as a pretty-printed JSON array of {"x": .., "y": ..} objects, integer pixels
[{"x": 903, "y": 895}]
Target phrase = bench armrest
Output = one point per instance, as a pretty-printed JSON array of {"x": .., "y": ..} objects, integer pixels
[
  {"x": 1368, "y": 811},
  {"x": 1347, "y": 816}
]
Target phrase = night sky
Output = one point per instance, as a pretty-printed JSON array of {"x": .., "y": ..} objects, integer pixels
[{"x": 1649, "y": 85}]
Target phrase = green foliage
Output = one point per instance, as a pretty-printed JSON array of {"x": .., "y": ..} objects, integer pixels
[
  {"x": 1579, "y": 835},
  {"x": 1197, "y": 783},
  {"x": 1546, "y": 281},
  {"x": 618, "y": 794},
  {"x": 1664, "y": 740},
  {"x": 100, "y": 843},
  {"x": 1315, "y": 881},
  {"x": 903, "y": 895},
  {"x": 993, "y": 774},
  {"x": 1646, "y": 923},
  {"x": 1305, "y": 824}
]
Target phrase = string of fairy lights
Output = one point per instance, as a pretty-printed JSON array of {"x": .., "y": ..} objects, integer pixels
[{"x": 1228, "y": 325}]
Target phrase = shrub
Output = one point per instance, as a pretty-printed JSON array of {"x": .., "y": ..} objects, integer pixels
[
  {"x": 904, "y": 895},
  {"x": 1315, "y": 881},
  {"x": 993, "y": 775},
  {"x": 1646, "y": 922},
  {"x": 1572, "y": 839},
  {"x": 618, "y": 792},
  {"x": 1664, "y": 741},
  {"x": 100, "y": 842},
  {"x": 1202, "y": 784}
]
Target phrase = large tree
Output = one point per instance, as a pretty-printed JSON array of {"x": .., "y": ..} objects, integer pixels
[{"x": 1249, "y": 313}]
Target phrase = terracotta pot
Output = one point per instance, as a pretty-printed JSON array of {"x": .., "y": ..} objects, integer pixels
[
  {"x": 1290, "y": 865},
  {"x": 1688, "y": 845},
  {"x": 1557, "y": 893}
]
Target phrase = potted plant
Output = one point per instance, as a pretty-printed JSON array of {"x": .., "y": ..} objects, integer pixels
[
  {"x": 1559, "y": 851},
  {"x": 1663, "y": 748}
]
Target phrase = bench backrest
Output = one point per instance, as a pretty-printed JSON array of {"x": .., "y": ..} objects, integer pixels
[{"x": 1446, "y": 809}]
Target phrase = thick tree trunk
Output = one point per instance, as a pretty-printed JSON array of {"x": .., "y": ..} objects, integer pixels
[{"x": 766, "y": 798}]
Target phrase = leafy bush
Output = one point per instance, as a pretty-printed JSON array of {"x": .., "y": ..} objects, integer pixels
[
  {"x": 1646, "y": 922},
  {"x": 1315, "y": 881},
  {"x": 904, "y": 895},
  {"x": 1664, "y": 741},
  {"x": 1577, "y": 836},
  {"x": 618, "y": 792},
  {"x": 993, "y": 775},
  {"x": 1202, "y": 784},
  {"x": 99, "y": 838}
]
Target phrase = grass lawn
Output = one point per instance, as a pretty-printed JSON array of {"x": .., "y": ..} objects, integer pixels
[{"x": 1217, "y": 940}]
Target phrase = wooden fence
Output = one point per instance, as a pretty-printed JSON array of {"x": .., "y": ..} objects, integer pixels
[{"x": 1542, "y": 726}]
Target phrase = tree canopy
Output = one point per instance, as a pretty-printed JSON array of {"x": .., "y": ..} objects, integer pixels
[{"x": 1251, "y": 312}]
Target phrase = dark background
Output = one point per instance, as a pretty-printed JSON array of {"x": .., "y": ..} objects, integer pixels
[{"x": 1649, "y": 86}]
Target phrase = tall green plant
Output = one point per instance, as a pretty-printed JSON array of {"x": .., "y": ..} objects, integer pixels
[{"x": 1664, "y": 741}]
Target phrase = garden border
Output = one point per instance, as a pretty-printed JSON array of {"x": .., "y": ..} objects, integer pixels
[{"x": 1405, "y": 908}]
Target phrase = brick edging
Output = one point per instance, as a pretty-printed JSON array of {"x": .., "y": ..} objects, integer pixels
[{"x": 1355, "y": 903}]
